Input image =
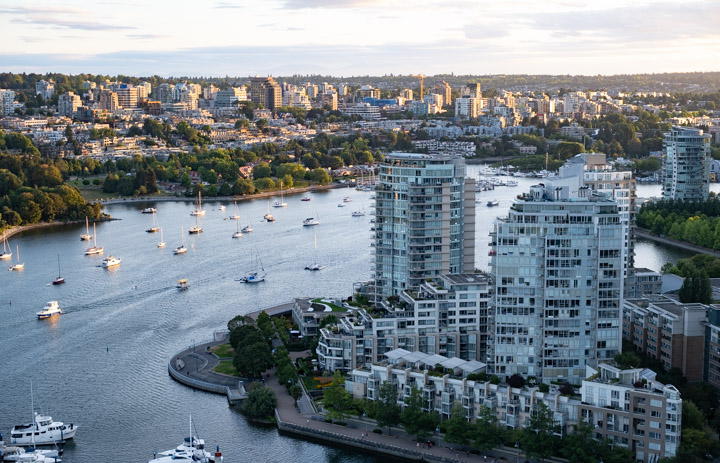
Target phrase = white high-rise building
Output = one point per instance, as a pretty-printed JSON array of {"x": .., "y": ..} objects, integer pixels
[
  {"x": 686, "y": 164},
  {"x": 144, "y": 89},
  {"x": 558, "y": 264},
  {"x": 425, "y": 221},
  {"x": 45, "y": 88},
  {"x": 467, "y": 107},
  {"x": 7, "y": 102},
  {"x": 68, "y": 103}
]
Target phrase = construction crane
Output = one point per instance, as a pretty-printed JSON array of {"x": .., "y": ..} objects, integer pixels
[{"x": 422, "y": 78}]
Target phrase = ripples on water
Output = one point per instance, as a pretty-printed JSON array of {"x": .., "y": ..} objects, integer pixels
[{"x": 103, "y": 364}]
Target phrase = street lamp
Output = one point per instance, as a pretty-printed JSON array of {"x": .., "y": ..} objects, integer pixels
[{"x": 517, "y": 446}]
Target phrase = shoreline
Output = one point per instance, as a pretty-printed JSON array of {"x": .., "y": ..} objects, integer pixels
[
  {"x": 647, "y": 235},
  {"x": 264, "y": 194},
  {"x": 36, "y": 226}
]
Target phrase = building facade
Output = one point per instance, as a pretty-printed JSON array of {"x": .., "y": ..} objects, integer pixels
[
  {"x": 424, "y": 221},
  {"x": 266, "y": 91},
  {"x": 686, "y": 164},
  {"x": 68, "y": 103},
  {"x": 558, "y": 265}
]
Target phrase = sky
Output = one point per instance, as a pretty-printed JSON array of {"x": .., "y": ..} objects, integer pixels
[{"x": 359, "y": 37}]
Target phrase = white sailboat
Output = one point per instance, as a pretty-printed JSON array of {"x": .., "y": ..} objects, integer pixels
[
  {"x": 19, "y": 265},
  {"x": 282, "y": 202},
  {"x": 155, "y": 227},
  {"x": 257, "y": 271},
  {"x": 238, "y": 233},
  {"x": 359, "y": 212},
  {"x": 161, "y": 244},
  {"x": 181, "y": 249},
  {"x": 199, "y": 210},
  {"x": 7, "y": 252},
  {"x": 86, "y": 236},
  {"x": 268, "y": 217},
  {"x": 311, "y": 221},
  {"x": 95, "y": 249},
  {"x": 195, "y": 229},
  {"x": 315, "y": 266},
  {"x": 235, "y": 216}
]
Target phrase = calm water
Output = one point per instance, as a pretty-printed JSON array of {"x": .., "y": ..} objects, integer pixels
[{"x": 103, "y": 364}]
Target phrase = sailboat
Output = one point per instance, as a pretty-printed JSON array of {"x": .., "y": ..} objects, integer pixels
[
  {"x": 18, "y": 266},
  {"x": 59, "y": 280},
  {"x": 7, "y": 253},
  {"x": 359, "y": 212},
  {"x": 269, "y": 216},
  {"x": 282, "y": 202},
  {"x": 195, "y": 229},
  {"x": 181, "y": 249},
  {"x": 95, "y": 249},
  {"x": 315, "y": 266},
  {"x": 236, "y": 216},
  {"x": 257, "y": 272},
  {"x": 161, "y": 244},
  {"x": 199, "y": 210},
  {"x": 154, "y": 228},
  {"x": 86, "y": 236},
  {"x": 311, "y": 221},
  {"x": 238, "y": 233}
]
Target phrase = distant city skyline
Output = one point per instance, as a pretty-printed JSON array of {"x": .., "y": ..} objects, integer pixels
[{"x": 358, "y": 37}]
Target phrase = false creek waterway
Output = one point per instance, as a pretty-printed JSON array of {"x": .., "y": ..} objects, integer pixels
[{"x": 102, "y": 365}]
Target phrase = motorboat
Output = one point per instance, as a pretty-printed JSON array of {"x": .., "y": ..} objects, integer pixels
[
  {"x": 221, "y": 208},
  {"x": 493, "y": 203},
  {"x": 347, "y": 199},
  {"x": 310, "y": 221},
  {"x": 182, "y": 284},
  {"x": 149, "y": 210},
  {"x": 341, "y": 204},
  {"x": 358, "y": 214},
  {"x": 305, "y": 198},
  {"x": 51, "y": 308},
  {"x": 42, "y": 431},
  {"x": 111, "y": 261},
  {"x": 19, "y": 454},
  {"x": 269, "y": 217},
  {"x": 192, "y": 449},
  {"x": 314, "y": 267}
]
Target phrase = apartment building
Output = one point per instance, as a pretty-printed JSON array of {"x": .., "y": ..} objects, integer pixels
[
  {"x": 7, "y": 102},
  {"x": 447, "y": 316},
  {"x": 686, "y": 164},
  {"x": 467, "y": 107},
  {"x": 266, "y": 91},
  {"x": 632, "y": 410},
  {"x": 108, "y": 100},
  {"x": 68, "y": 103},
  {"x": 45, "y": 88},
  {"x": 230, "y": 97},
  {"x": 557, "y": 259},
  {"x": 670, "y": 331}
]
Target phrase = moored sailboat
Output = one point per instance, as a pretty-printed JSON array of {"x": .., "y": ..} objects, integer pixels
[
  {"x": 7, "y": 252},
  {"x": 19, "y": 265},
  {"x": 59, "y": 280},
  {"x": 199, "y": 210},
  {"x": 95, "y": 249},
  {"x": 86, "y": 236}
]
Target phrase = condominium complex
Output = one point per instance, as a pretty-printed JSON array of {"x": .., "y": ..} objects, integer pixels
[
  {"x": 558, "y": 264},
  {"x": 45, "y": 88},
  {"x": 686, "y": 164},
  {"x": 670, "y": 331},
  {"x": 425, "y": 221},
  {"x": 467, "y": 107},
  {"x": 7, "y": 102},
  {"x": 266, "y": 92},
  {"x": 68, "y": 103},
  {"x": 628, "y": 407}
]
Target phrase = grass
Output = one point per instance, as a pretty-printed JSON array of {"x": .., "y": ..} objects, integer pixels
[
  {"x": 310, "y": 383},
  {"x": 225, "y": 367},
  {"x": 335, "y": 308},
  {"x": 223, "y": 350}
]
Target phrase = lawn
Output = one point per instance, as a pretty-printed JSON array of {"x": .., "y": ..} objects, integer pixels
[
  {"x": 335, "y": 308},
  {"x": 223, "y": 351},
  {"x": 225, "y": 367}
]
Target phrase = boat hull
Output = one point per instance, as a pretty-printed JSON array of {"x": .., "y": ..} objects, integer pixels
[{"x": 46, "y": 438}]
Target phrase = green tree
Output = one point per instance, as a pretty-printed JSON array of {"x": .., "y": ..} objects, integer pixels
[
  {"x": 538, "y": 439},
  {"x": 412, "y": 414},
  {"x": 579, "y": 446},
  {"x": 262, "y": 170},
  {"x": 387, "y": 410},
  {"x": 319, "y": 176},
  {"x": 185, "y": 180},
  {"x": 260, "y": 403},
  {"x": 459, "y": 430},
  {"x": 488, "y": 434},
  {"x": 336, "y": 399}
]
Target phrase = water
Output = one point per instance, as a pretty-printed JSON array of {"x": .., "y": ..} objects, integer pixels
[{"x": 103, "y": 364}]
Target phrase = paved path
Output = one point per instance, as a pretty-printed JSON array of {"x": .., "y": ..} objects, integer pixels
[{"x": 645, "y": 234}]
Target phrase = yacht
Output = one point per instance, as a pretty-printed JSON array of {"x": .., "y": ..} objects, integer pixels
[
  {"x": 282, "y": 202},
  {"x": 235, "y": 216},
  {"x": 310, "y": 221},
  {"x": 305, "y": 198},
  {"x": 20, "y": 455},
  {"x": 252, "y": 277},
  {"x": 221, "y": 208},
  {"x": 347, "y": 199},
  {"x": 155, "y": 227},
  {"x": 182, "y": 284},
  {"x": 238, "y": 233},
  {"x": 257, "y": 271},
  {"x": 51, "y": 308},
  {"x": 192, "y": 450},
  {"x": 42, "y": 431},
  {"x": 181, "y": 249},
  {"x": 111, "y": 261},
  {"x": 195, "y": 229},
  {"x": 149, "y": 210},
  {"x": 269, "y": 216}
]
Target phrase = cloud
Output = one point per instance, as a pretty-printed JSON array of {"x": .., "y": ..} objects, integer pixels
[
  {"x": 479, "y": 31},
  {"x": 228, "y": 5},
  {"x": 338, "y": 4},
  {"x": 146, "y": 36},
  {"x": 61, "y": 18}
]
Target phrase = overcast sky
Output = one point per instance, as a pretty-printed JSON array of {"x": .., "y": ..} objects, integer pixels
[{"x": 359, "y": 37}]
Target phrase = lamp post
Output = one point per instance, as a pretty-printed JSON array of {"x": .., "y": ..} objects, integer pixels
[{"x": 517, "y": 447}]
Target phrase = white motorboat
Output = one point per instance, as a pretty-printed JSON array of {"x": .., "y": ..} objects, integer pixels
[
  {"x": 493, "y": 203},
  {"x": 149, "y": 210},
  {"x": 19, "y": 265},
  {"x": 182, "y": 284},
  {"x": 358, "y": 213},
  {"x": 19, "y": 454},
  {"x": 192, "y": 450},
  {"x": 95, "y": 249},
  {"x": 199, "y": 210},
  {"x": 221, "y": 208},
  {"x": 341, "y": 204},
  {"x": 310, "y": 221},
  {"x": 86, "y": 236},
  {"x": 314, "y": 267},
  {"x": 347, "y": 199},
  {"x": 51, "y": 308},
  {"x": 111, "y": 261},
  {"x": 305, "y": 198},
  {"x": 42, "y": 431}
]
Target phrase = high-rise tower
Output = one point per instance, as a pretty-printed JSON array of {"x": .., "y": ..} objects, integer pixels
[{"x": 686, "y": 164}]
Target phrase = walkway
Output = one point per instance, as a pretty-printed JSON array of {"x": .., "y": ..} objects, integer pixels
[{"x": 645, "y": 234}]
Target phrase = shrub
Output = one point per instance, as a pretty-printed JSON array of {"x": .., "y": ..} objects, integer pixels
[
  {"x": 494, "y": 379},
  {"x": 566, "y": 389},
  {"x": 544, "y": 387},
  {"x": 377, "y": 431},
  {"x": 516, "y": 381}
]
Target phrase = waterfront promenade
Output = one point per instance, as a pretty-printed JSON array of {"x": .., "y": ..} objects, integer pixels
[{"x": 645, "y": 234}]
